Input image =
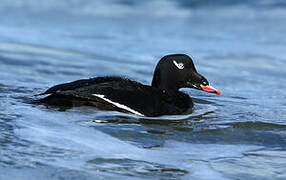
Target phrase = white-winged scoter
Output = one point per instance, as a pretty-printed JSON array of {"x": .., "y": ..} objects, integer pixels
[{"x": 120, "y": 94}]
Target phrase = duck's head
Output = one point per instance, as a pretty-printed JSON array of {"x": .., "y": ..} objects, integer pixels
[{"x": 178, "y": 71}]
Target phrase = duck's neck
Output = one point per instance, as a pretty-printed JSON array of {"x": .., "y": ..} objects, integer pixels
[{"x": 163, "y": 84}]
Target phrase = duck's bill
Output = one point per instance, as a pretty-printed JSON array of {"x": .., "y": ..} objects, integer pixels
[{"x": 210, "y": 89}]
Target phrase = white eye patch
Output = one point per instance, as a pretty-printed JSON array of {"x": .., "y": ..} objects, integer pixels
[{"x": 179, "y": 65}]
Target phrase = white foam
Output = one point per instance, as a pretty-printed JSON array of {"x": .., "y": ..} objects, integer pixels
[{"x": 118, "y": 104}]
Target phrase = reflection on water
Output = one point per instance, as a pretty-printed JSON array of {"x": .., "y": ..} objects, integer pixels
[{"x": 238, "y": 45}]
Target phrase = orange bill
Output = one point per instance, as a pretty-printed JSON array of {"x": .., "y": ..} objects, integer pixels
[{"x": 210, "y": 89}]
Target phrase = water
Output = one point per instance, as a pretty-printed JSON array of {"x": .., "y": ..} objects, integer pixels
[{"x": 239, "y": 46}]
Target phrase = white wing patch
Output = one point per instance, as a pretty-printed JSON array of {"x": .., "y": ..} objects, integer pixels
[
  {"x": 118, "y": 104},
  {"x": 179, "y": 65}
]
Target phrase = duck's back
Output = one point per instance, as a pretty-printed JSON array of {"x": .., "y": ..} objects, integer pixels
[{"x": 120, "y": 94}]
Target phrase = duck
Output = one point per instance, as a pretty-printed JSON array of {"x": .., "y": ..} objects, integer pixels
[{"x": 114, "y": 93}]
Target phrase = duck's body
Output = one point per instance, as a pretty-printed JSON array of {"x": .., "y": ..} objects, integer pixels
[
  {"x": 120, "y": 94},
  {"x": 115, "y": 93}
]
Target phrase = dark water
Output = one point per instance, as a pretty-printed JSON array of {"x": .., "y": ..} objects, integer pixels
[{"x": 240, "y": 46}]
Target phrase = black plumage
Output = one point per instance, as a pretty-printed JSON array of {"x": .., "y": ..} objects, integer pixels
[{"x": 120, "y": 94}]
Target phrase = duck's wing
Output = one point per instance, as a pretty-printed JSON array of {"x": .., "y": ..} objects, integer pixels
[
  {"x": 125, "y": 96},
  {"x": 112, "y": 92},
  {"x": 128, "y": 97}
]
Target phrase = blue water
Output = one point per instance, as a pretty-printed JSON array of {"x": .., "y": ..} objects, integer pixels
[{"x": 239, "y": 46}]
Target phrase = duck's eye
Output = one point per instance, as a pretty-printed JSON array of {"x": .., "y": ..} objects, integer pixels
[{"x": 205, "y": 83}]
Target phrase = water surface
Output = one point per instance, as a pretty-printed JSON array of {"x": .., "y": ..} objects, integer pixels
[{"x": 238, "y": 45}]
